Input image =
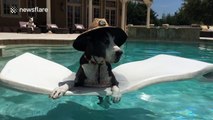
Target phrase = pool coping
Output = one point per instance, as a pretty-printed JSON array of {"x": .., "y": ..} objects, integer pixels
[
  {"x": 206, "y": 38},
  {"x": 42, "y": 38},
  {"x": 55, "y": 39}
]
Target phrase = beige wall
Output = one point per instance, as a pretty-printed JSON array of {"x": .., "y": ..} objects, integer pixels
[
  {"x": 41, "y": 17},
  {"x": 12, "y": 20},
  {"x": 58, "y": 13},
  {"x": 84, "y": 12}
]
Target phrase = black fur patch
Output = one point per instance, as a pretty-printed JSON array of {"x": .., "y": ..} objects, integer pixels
[{"x": 97, "y": 45}]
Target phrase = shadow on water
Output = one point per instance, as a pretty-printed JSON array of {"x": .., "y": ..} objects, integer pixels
[{"x": 75, "y": 111}]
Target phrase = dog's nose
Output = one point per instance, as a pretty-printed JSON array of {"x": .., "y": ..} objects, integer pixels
[{"x": 118, "y": 53}]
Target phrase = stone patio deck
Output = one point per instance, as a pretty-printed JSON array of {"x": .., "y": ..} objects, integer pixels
[{"x": 43, "y": 38}]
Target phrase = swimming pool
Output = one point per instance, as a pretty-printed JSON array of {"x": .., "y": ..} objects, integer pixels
[{"x": 175, "y": 100}]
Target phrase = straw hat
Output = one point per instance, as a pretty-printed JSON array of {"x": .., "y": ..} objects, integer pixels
[{"x": 99, "y": 25}]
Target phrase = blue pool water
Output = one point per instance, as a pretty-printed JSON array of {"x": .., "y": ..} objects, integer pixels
[{"x": 182, "y": 100}]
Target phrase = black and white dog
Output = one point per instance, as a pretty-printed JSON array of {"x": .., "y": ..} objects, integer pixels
[
  {"x": 30, "y": 23},
  {"x": 100, "y": 49}
]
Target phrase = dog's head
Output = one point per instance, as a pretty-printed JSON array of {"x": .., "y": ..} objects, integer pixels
[
  {"x": 31, "y": 19},
  {"x": 101, "y": 47}
]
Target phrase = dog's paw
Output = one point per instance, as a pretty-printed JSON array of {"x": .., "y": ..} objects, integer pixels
[
  {"x": 116, "y": 95},
  {"x": 59, "y": 91}
]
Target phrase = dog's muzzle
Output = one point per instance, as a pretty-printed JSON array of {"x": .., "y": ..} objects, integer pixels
[{"x": 118, "y": 55}]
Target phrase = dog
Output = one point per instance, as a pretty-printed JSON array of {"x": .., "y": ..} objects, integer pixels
[
  {"x": 30, "y": 23},
  {"x": 101, "y": 48}
]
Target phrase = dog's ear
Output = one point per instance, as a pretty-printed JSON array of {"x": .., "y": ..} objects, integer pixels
[
  {"x": 89, "y": 47},
  {"x": 31, "y": 19}
]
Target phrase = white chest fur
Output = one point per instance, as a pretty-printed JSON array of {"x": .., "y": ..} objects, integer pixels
[{"x": 92, "y": 73}]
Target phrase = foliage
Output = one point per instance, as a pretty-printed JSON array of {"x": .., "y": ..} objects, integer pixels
[
  {"x": 136, "y": 14},
  {"x": 191, "y": 12}
]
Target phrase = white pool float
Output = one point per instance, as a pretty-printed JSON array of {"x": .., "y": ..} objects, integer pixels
[{"x": 32, "y": 73}]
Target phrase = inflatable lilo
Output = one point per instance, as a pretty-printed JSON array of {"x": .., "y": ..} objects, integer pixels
[{"x": 32, "y": 73}]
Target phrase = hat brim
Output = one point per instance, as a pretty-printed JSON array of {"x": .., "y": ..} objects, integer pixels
[{"x": 81, "y": 41}]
